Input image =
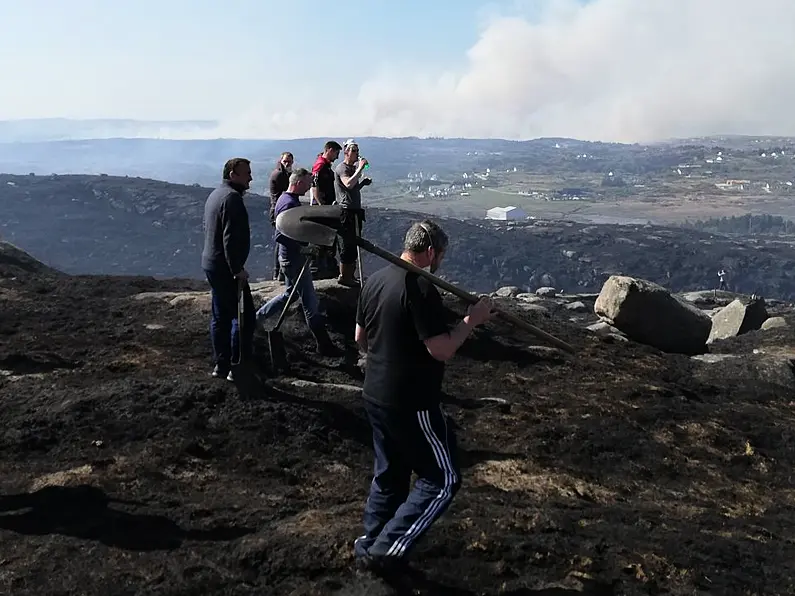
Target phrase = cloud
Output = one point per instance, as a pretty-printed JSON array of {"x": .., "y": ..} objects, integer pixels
[{"x": 613, "y": 70}]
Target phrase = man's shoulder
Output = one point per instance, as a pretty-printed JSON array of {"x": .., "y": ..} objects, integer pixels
[
  {"x": 322, "y": 166},
  {"x": 286, "y": 199},
  {"x": 223, "y": 193},
  {"x": 344, "y": 169},
  {"x": 391, "y": 275}
]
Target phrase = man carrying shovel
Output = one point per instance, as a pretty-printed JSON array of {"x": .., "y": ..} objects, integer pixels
[
  {"x": 401, "y": 328},
  {"x": 292, "y": 258}
]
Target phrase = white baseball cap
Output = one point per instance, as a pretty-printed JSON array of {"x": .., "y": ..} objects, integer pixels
[{"x": 349, "y": 142}]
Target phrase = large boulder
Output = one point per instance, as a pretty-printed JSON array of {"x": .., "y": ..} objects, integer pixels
[
  {"x": 649, "y": 314},
  {"x": 737, "y": 318}
]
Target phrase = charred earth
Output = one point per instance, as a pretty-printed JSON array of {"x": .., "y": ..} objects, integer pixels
[{"x": 127, "y": 469}]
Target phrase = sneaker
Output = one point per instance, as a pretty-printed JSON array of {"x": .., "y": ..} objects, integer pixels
[
  {"x": 381, "y": 565},
  {"x": 230, "y": 377},
  {"x": 220, "y": 371},
  {"x": 359, "y": 548}
]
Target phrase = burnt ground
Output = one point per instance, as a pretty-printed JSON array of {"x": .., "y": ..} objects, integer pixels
[{"x": 126, "y": 469}]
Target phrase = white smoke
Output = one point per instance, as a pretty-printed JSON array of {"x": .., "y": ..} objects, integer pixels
[{"x": 612, "y": 70}]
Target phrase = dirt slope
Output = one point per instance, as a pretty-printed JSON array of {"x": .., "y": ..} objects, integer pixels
[{"x": 126, "y": 469}]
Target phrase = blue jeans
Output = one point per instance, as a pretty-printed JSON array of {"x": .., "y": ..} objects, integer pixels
[
  {"x": 305, "y": 291},
  {"x": 224, "y": 333},
  {"x": 396, "y": 516}
]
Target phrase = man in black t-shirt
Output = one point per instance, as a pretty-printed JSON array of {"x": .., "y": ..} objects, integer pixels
[{"x": 401, "y": 327}]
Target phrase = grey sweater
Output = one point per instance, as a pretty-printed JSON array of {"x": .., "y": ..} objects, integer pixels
[{"x": 227, "y": 235}]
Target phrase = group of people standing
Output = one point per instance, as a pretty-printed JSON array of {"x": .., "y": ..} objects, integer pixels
[
  {"x": 342, "y": 185},
  {"x": 227, "y": 244},
  {"x": 400, "y": 328}
]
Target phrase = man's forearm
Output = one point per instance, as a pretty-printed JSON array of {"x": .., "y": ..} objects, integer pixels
[
  {"x": 353, "y": 181},
  {"x": 460, "y": 333}
]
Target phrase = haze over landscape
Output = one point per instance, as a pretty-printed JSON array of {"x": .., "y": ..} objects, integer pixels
[{"x": 607, "y": 70}]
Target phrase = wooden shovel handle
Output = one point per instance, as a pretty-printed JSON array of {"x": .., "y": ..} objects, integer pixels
[{"x": 464, "y": 295}]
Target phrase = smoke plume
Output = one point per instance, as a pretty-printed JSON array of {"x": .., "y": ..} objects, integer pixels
[{"x": 612, "y": 70}]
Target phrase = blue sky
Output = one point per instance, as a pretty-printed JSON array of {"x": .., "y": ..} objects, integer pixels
[{"x": 168, "y": 58}]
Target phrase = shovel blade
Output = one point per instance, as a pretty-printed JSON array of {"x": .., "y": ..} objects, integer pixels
[
  {"x": 315, "y": 224},
  {"x": 277, "y": 351}
]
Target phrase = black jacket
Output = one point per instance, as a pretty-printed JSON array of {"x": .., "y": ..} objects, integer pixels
[
  {"x": 227, "y": 235},
  {"x": 279, "y": 183}
]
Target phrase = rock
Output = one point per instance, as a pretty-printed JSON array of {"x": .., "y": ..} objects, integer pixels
[
  {"x": 617, "y": 337},
  {"x": 649, "y": 314},
  {"x": 708, "y": 297},
  {"x": 525, "y": 297},
  {"x": 507, "y": 292},
  {"x": 713, "y": 358},
  {"x": 546, "y": 352},
  {"x": 534, "y": 308},
  {"x": 602, "y": 328},
  {"x": 577, "y": 307},
  {"x": 774, "y": 323},
  {"x": 738, "y": 318},
  {"x": 546, "y": 292}
]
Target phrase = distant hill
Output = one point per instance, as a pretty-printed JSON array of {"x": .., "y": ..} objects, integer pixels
[
  {"x": 61, "y": 129},
  {"x": 133, "y": 226}
]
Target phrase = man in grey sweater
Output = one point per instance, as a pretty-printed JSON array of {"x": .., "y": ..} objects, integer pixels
[{"x": 227, "y": 242}]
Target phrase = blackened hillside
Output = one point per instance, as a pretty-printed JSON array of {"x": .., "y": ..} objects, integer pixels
[{"x": 120, "y": 225}]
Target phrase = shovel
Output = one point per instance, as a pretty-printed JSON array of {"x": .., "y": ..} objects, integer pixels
[
  {"x": 275, "y": 337},
  {"x": 241, "y": 309},
  {"x": 319, "y": 225},
  {"x": 359, "y": 250}
]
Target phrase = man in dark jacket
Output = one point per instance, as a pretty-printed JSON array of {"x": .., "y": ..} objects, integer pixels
[
  {"x": 401, "y": 326},
  {"x": 227, "y": 241},
  {"x": 323, "y": 174},
  {"x": 278, "y": 184}
]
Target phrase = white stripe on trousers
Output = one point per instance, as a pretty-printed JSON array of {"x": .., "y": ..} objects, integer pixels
[{"x": 441, "y": 453}]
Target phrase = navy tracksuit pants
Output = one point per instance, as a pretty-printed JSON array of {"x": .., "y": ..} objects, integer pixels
[
  {"x": 396, "y": 515},
  {"x": 224, "y": 332}
]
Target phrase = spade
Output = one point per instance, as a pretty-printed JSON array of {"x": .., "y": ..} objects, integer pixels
[{"x": 275, "y": 338}]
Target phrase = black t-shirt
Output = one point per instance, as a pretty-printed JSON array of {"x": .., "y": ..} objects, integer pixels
[{"x": 399, "y": 310}]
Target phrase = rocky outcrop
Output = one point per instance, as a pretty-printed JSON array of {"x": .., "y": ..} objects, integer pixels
[
  {"x": 649, "y": 314},
  {"x": 737, "y": 318}
]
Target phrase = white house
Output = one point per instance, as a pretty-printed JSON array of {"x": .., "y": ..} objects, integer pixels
[{"x": 506, "y": 213}]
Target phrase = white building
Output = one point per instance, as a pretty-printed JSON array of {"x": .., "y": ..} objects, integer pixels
[{"x": 506, "y": 213}]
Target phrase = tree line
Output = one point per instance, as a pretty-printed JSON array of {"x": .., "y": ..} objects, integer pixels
[{"x": 744, "y": 224}]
